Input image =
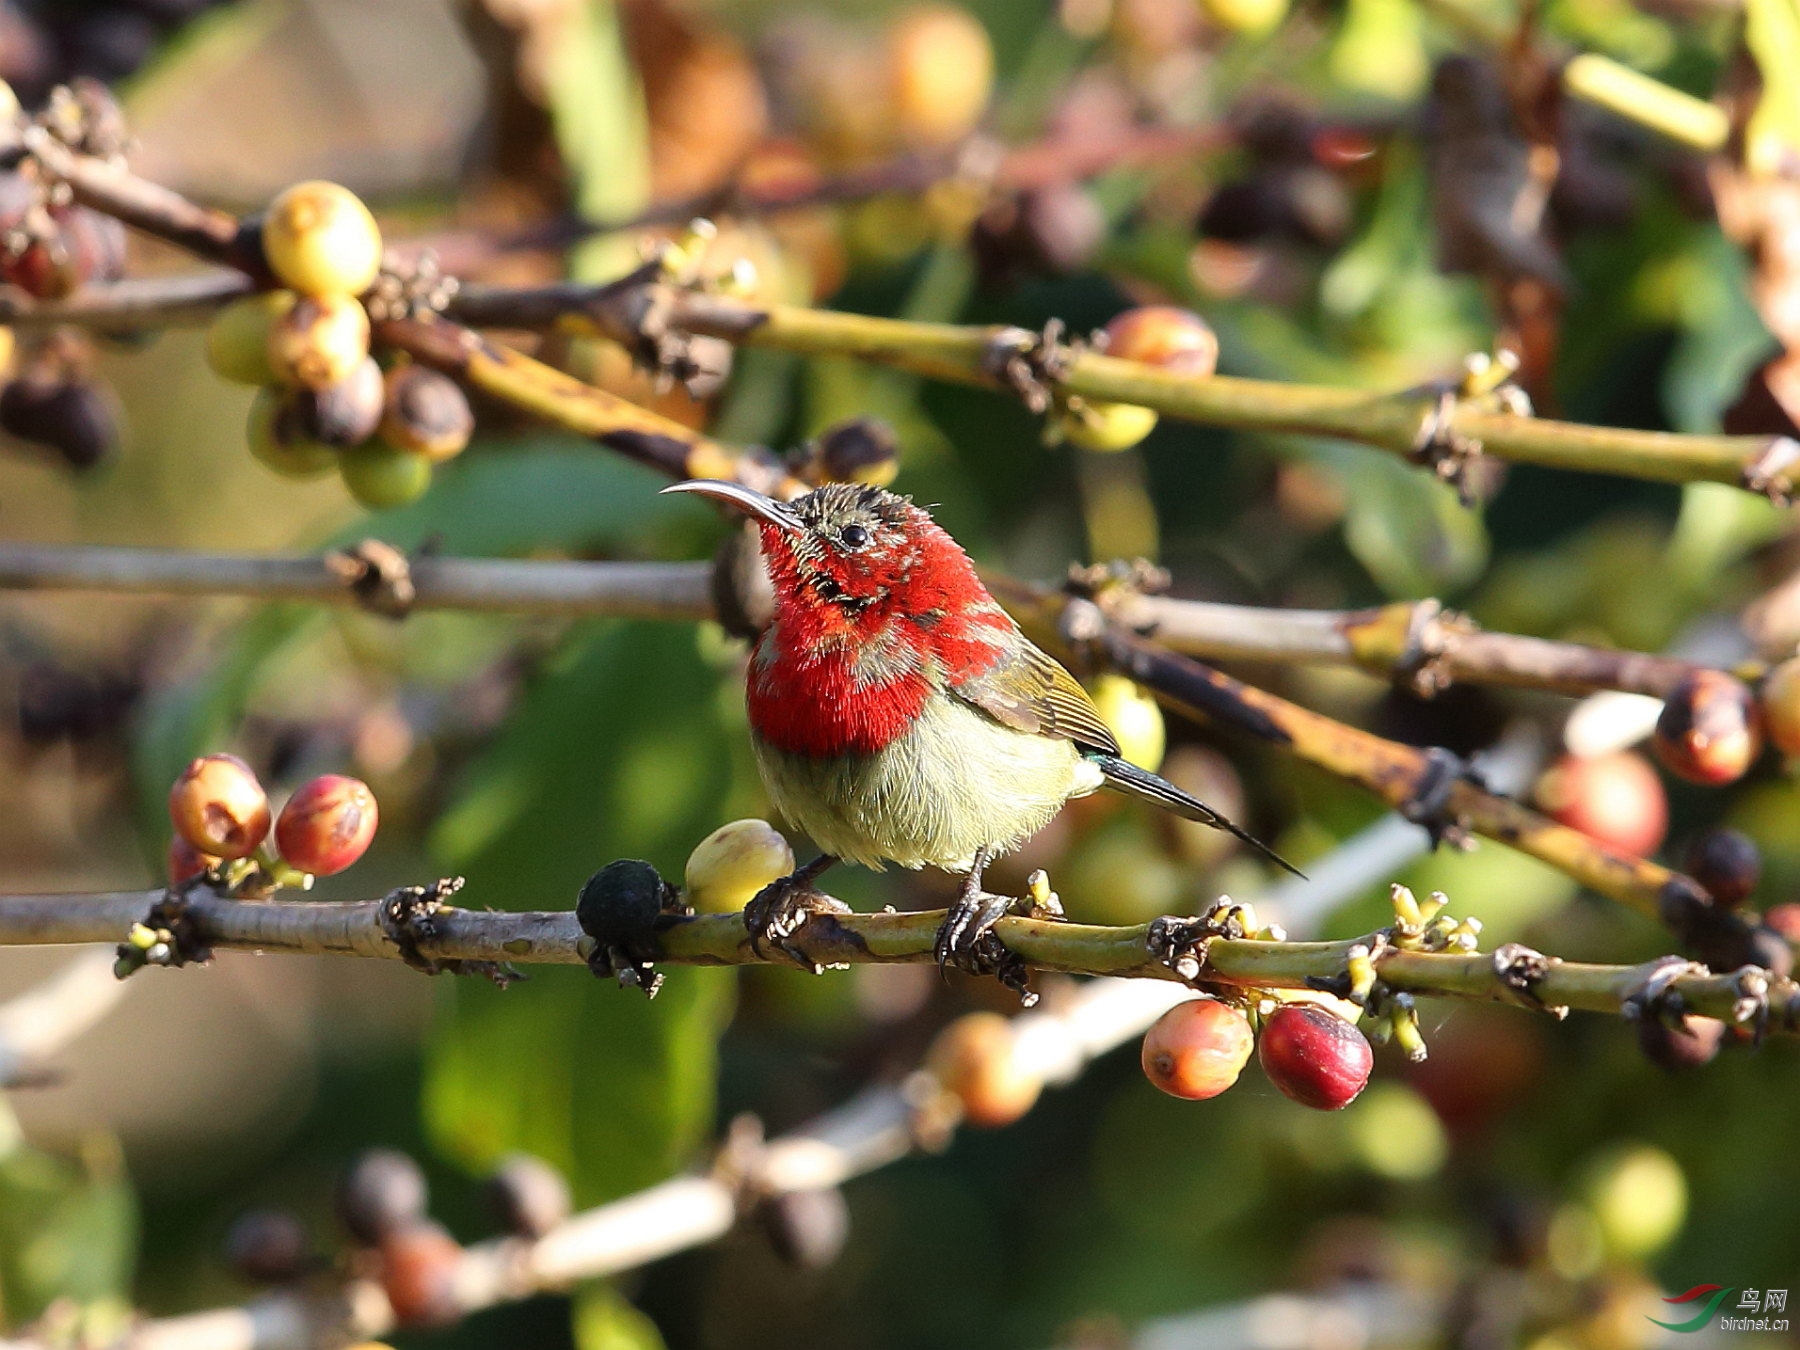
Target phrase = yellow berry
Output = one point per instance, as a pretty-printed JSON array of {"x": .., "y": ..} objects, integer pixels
[
  {"x": 734, "y": 862},
  {"x": 1639, "y": 1197},
  {"x": 237, "y": 340},
  {"x": 380, "y": 476},
  {"x": 1135, "y": 719},
  {"x": 319, "y": 342},
  {"x": 1253, "y": 17},
  {"x": 1780, "y": 697},
  {"x": 940, "y": 73},
  {"x": 1103, "y": 426},
  {"x": 321, "y": 240}
]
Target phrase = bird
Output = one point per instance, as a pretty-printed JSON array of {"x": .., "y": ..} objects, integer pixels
[{"x": 898, "y": 715}]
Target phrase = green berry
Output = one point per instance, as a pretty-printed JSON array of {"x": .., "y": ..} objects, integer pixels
[
  {"x": 381, "y": 477},
  {"x": 237, "y": 340}
]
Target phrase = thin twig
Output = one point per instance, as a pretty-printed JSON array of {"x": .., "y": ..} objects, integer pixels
[
  {"x": 646, "y": 590},
  {"x": 1416, "y": 424},
  {"x": 1417, "y": 641},
  {"x": 1431, "y": 787},
  {"x": 1056, "y": 159},
  {"x": 448, "y": 934},
  {"x": 652, "y": 440},
  {"x": 1405, "y": 424}
]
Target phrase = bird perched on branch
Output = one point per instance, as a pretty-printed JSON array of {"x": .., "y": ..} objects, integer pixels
[{"x": 899, "y": 715}]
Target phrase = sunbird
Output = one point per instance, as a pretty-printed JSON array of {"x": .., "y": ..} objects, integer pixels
[{"x": 898, "y": 714}]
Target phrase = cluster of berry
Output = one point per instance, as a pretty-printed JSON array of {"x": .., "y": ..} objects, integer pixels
[
  {"x": 49, "y": 248},
  {"x": 382, "y": 1205},
  {"x": 325, "y": 403},
  {"x": 1195, "y": 1051},
  {"x": 221, "y": 815}
]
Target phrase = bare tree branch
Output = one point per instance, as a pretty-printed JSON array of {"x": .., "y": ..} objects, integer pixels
[{"x": 445, "y": 934}]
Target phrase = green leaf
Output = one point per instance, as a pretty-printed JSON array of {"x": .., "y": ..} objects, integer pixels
[
  {"x": 602, "y": 131},
  {"x": 546, "y": 492},
  {"x": 68, "y": 1229},
  {"x": 619, "y": 750},
  {"x": 549, "y": 492},
  {"x": 605, "y": 1321}
]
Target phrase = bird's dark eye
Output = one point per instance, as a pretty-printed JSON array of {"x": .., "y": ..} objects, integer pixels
[{"x": 854, "y": 536}]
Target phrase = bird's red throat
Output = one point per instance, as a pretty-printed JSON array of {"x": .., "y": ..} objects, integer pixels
[{"x": 860, "y": 643}]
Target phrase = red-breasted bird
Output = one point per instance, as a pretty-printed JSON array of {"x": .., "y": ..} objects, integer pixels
[{"x": 899, "y": 715}]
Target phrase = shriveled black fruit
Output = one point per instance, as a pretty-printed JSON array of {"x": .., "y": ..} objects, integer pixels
[
  {"x": 268, "y": 1246},
  {"x": 382, "y": 1192},
  {"x": 65, "y": 413},
  {"x": 807, "y": 1229},
  {"x": 527, "y": 1195},
  {"x": 620, "y": 900}
]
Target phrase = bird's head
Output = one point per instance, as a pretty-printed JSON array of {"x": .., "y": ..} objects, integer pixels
[{"x": 851, "y": 555}]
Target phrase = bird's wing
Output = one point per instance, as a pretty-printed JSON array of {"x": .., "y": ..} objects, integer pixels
[{"x": 1030, "y": 691}]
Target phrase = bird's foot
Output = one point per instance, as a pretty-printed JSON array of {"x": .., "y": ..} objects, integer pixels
[
  {"x": 967, "y": 939},
  {"x": 777, "y": 913}
]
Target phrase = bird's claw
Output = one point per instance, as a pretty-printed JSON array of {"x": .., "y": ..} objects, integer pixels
[
  {"x": 967, "y": 939},
  {"x": 780, "y": 910}
]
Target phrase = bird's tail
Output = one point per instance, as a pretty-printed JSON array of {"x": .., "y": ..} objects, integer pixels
[{"x": 1124, "y": 776}]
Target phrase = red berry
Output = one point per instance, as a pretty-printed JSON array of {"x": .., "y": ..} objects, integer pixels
[
  {"x": 1784, "y": 921},
  {"x": 186, "y": 861},
  {"x": 1710, "y": 731},
  {"x": 419, "y": 1262},
  {"x": 1165, "y": 336},
  {"x": 218, "y": 806},
  {"x": 1781, "y": 706},
  {"x": 1197, "y": 1049},
  {"x": 1726, "y": 863},
  {"x": 1617, "y": 799},
  {"x": 1695, "y": 1042},
  {"x": 976, "y": 1061},
  {"x": 327, "y": 825},
  {"x": 1315, "y": 1057}
]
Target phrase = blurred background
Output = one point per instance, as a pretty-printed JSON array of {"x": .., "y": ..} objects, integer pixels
[{"x": 1346, "y": 192}]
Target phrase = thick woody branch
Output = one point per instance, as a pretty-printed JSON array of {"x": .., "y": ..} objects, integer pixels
[{"x": 447, "y": 934}]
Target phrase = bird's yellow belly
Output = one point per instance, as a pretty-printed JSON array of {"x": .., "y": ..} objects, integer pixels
[{"x": 958, "y": 781}]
